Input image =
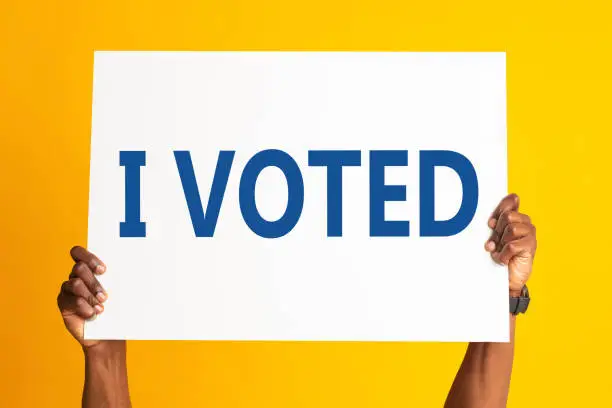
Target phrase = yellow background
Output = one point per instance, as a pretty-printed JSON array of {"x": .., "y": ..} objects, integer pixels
[{"x": 559, "y": 110}]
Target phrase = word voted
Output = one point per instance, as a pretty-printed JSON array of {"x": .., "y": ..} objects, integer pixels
[{"x": 204, "y": 222}]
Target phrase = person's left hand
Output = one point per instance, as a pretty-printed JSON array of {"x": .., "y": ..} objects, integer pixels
[{"x": 512, "y": 242}]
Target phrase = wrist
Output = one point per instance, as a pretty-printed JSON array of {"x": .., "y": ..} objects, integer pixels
[
  {"x": 515, "y": 292},
  {"x": 106, "y": 349}
]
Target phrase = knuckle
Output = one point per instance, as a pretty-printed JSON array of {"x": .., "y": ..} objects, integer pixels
[
  {"x": 79, "y": 269},
  {"x": 505, "y": 217},
  {"x": 514, "y": 229},
  {"x": 77, "y": 284},
  {"x": 82, "y": 304}
]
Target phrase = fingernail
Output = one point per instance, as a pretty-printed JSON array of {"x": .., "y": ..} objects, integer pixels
[
  {"x": 99, "y": 309},
  {"x": 101, "y": 296},
  {"x": 100, "y": 269},
  {"x": 492, "y": 222},
  {"x": 93, "y": 317}
]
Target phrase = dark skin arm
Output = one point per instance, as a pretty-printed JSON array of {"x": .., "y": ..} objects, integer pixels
[
  {"x": 483, "y": 379},
  {"x": 81, "y": 298}
]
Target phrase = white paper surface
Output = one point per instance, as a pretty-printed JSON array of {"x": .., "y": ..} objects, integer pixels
[{"x": 304, "y": 285}]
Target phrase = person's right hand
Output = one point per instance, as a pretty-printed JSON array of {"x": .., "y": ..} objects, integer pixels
[{"x": 81, "y": 297}]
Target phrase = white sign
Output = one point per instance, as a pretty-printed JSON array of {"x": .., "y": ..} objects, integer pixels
[{"x": 298, "y": 195}]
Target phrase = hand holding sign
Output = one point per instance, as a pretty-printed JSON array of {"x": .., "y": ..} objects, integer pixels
[
  {"x": 513, "y": 242},
  {"x": 81, "y": 297}
]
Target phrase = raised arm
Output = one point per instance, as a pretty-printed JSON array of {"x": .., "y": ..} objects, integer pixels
[
  {"x": 483, "y": 379},
  {"x": 81, "y": 298}
]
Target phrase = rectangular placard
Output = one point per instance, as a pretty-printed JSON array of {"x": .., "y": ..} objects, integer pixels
[{"x": 316, "y": 196}]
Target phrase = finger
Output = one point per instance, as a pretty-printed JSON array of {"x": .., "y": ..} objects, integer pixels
[
  {"x": 76, "y": 287},
  {"x": 520, "y": 247},
  {"x": 79, "y": 253},
  {"x": 490, "y": 246},
  {"x": 82, "y": 271},
  {"x": 504, "y": 219},
  {"x": 70, "y": 304},
  {"x": 514, "y": 231},
  {"x": 508, "y": 203}
]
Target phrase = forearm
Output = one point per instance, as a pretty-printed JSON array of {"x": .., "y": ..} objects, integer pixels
[
  {"x": 106, "y": 384},
  {"x": 483, "y": 379}
]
